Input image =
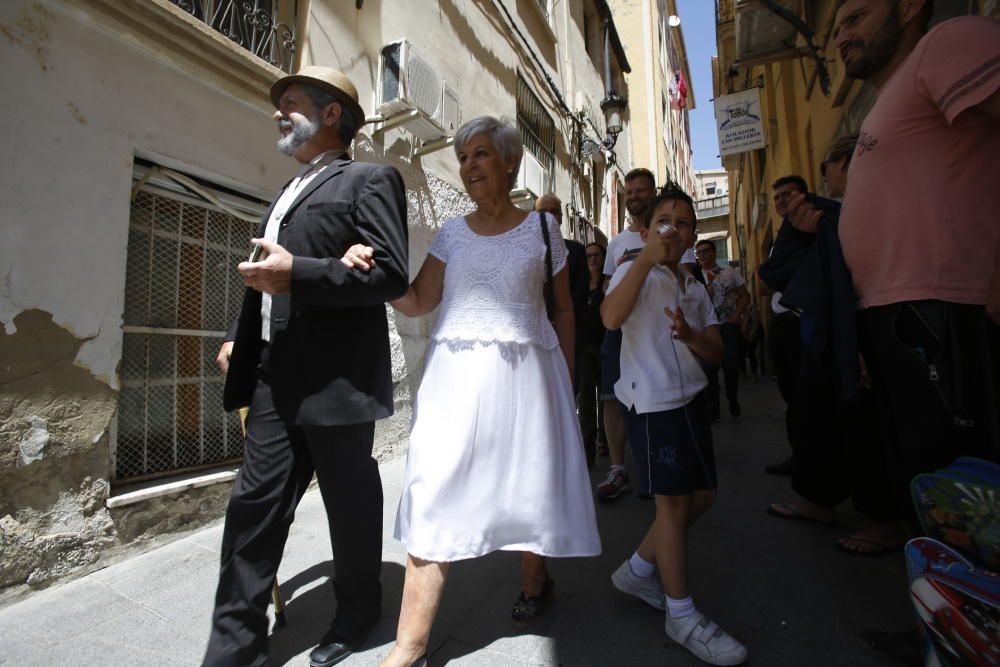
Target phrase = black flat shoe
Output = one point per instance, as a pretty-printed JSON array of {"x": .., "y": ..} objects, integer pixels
[{"x": 527, "y": 610}]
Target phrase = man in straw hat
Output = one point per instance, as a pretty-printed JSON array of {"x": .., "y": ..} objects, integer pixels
[{"x": 310, "y": 355}]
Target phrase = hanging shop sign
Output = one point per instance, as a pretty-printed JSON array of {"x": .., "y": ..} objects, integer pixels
[{"x": 739, "y": 122}]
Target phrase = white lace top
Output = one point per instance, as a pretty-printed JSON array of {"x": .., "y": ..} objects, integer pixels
[{"x": 493, "y": 284}]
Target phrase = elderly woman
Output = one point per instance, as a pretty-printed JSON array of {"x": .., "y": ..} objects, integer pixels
[{"x": 495, "y": 459}]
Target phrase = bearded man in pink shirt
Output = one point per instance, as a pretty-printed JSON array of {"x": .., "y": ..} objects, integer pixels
[{"x": 920, "y": 230}]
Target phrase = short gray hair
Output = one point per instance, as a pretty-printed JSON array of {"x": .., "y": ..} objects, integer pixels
[
  {"x": 321, "y": 99},
  {"x": 503, "y": 135}
]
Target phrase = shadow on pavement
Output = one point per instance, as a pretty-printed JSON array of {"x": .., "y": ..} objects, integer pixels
[{"x": 309, "y": 614}]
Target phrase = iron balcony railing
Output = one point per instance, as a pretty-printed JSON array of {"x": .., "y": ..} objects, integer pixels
[{"x": 265, "y": 28}]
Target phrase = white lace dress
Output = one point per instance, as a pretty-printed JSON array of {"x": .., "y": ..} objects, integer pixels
[{"x": 496, "y": 458}]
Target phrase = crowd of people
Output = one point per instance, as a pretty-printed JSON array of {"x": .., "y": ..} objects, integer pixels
[{"x": 547, "y": 353}]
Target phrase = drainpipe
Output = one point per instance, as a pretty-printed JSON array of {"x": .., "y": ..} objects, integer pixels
[{"x": 607, "y": 57}]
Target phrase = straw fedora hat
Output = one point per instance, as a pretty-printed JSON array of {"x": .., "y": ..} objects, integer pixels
[{"x": 325, "y": 78}]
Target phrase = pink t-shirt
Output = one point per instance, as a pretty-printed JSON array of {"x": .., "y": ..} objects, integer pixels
[{"x": 921, "y": 215}]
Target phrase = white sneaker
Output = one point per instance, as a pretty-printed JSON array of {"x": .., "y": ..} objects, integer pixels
[
  {"x": 647, "y": 589},
  {"x": 705, "y": 639}
]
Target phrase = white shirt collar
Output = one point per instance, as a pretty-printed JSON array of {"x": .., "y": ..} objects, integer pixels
[{"x": 321, "y": 160}]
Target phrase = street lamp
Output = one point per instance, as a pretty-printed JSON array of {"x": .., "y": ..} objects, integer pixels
[{"x": 613, "y": 107}]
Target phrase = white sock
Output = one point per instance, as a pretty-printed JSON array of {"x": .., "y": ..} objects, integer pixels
[
  {"x": 618, "y": 468},
  {"x": 679, "y": 608},
  {"x": 640, "y": 566}
]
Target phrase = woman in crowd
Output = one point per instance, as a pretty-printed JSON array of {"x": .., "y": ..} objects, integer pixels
[{"x": 495, "y": 459}]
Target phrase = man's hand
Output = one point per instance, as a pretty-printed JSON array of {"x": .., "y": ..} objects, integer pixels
[
  {"x": 225, "y": 353},
  {"x": 803, "y": 215},
  {"x": 359, "y": 257},
  {"x": 272, "y": 275},
  {"x": 681, "y": 329}
]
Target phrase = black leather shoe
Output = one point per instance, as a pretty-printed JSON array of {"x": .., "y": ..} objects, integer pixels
[
  {"x": 335, "y": 646},
  {"x": 783, "y": 468},
  {"x": 331, "y": 652},
  {"x": 734, "y": 408}
]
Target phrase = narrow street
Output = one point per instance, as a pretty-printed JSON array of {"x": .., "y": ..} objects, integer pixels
[{"x": 778, "y": 585}]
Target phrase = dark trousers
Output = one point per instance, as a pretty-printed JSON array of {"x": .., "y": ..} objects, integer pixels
[
  {"x": 278, "y": 464},
  {"x": 785, "y": 345},
  {"x": 732, "y": 362},
  {"x": 819, "y": 470},
  {"x": 590, "y": 408},
  {"x": 935, "y": 370}
]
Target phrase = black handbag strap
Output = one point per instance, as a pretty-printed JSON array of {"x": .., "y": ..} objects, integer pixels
[{"x": 547, "y": 286}]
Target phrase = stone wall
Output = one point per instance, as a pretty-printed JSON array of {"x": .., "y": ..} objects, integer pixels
[{"x": 54, "y": 419}]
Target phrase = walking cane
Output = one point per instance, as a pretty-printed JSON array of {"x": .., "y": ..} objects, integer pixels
[{"x": 279, "y": 604}]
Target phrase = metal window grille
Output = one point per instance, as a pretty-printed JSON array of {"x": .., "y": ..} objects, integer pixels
[
  {"x": 181, "y": 294},
  {"x": 265, "y": 28},
  {"x": 538, "y": 131}
]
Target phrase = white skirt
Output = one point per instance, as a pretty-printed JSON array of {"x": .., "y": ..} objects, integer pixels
[{"x": 496, "y": 458}]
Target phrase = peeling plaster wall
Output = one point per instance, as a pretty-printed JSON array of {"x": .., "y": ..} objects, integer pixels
[{"x": 54, "y": 459}]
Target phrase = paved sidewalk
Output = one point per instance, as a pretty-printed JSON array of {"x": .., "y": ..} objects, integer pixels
[{"x": 778, "y": 585}]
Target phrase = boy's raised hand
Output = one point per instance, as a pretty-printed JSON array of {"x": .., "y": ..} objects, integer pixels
[
  {"x": 681, "y": 329},
  {"x": 656, "y": 250}
]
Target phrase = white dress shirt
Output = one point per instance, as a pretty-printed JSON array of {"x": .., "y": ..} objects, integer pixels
[{"x": 307, "y": 173}]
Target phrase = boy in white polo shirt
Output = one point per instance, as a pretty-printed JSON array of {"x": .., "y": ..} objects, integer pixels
[{"x": 668, "y": 424}]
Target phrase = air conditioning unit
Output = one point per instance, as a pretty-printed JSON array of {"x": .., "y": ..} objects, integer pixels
[
  {"x": 407, "y": 83},
  {"x": 532, "y": 177}
]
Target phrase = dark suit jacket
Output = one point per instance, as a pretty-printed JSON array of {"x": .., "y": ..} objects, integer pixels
[
  {"x": 810, "y": 271},
  {"x": 329, "y": 355}
]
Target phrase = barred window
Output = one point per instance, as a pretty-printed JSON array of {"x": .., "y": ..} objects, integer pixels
[
  {"x": 538, "y": 131},
  {"x": 181, "y": 293}
]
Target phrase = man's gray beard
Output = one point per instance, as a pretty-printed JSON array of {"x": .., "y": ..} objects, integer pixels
[{"x": 300, "y": 134}]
